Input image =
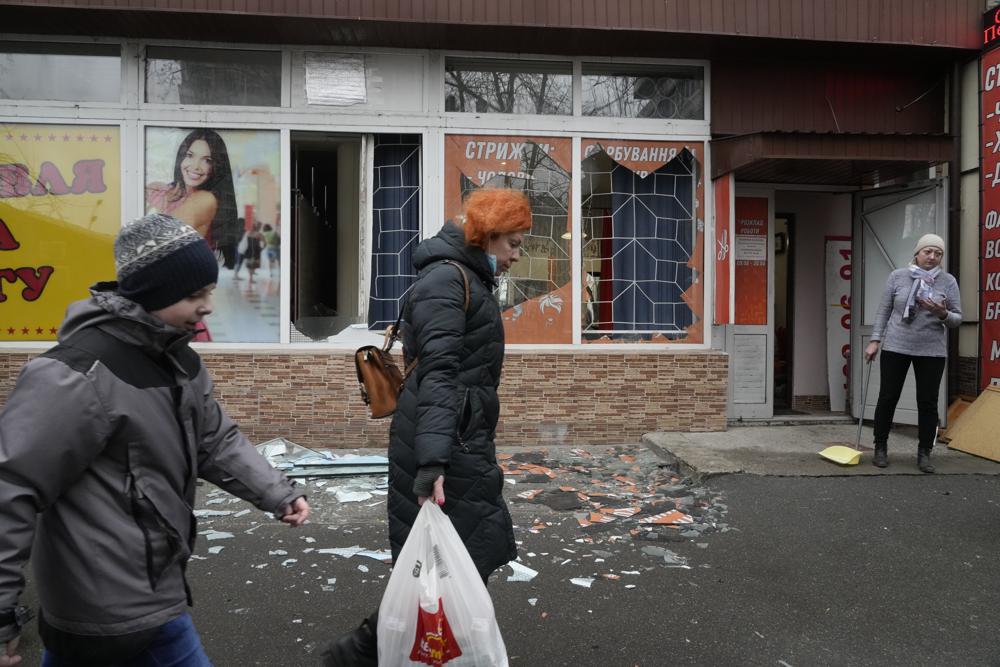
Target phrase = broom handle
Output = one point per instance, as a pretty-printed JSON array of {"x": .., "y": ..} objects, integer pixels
[{"x": 864, "y": 399}]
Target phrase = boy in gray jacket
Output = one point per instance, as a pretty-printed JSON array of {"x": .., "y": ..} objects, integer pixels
[{"x": 101, "y": 442}]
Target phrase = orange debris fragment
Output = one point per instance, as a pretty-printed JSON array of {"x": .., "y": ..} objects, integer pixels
[{"x": 666, "y": 518}]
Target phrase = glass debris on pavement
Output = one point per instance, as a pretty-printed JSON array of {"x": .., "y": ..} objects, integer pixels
[
  {"x": 623, "y": 498},
  {"x": 638, "y": 494},
  {"x": 589, "y": 518},
  {"x": 298, "y": 461}
]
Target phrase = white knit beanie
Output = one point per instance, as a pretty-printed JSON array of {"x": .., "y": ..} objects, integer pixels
[{"x": 932, "y": 240}]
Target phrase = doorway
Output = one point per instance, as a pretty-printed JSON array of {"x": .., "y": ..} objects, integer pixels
[
  {"x": 784, "y": 302},
  {"x": 326, "y": 186}
]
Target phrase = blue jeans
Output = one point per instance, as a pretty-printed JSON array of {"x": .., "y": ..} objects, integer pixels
[{"x": 177, "y": 645}]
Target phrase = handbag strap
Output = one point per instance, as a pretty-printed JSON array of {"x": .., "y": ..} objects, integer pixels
[
  {"x": 465, "y": 281},
  {"x": 392, "y": 334}
]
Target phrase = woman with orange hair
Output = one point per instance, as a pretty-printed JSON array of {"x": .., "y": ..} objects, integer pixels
[{"x": 441, "y": 440}]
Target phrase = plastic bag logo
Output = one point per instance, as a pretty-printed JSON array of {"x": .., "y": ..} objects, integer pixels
[{"x": 434, "y": 644}]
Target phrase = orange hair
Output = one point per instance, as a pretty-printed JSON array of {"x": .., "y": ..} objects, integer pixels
[{"x": 492, "y": 211}]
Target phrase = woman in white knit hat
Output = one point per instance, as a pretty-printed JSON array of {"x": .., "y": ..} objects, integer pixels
[{"x": 919, "y": 304}]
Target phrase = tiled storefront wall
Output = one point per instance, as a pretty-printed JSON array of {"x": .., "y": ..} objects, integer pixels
[
  {"x": 819, "y": 403},
  {"x": 967, "y": 368},
  {"x": 565, "y": 397}
]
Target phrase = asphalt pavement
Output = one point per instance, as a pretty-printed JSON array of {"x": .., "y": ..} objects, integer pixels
[{"x": 720, "y": 564}]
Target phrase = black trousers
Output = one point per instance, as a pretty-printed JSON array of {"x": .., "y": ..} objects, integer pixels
[{"x": 928, "y": 372}]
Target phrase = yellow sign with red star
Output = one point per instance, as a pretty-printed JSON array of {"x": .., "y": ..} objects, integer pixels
[{"x": 60, "y": 209}]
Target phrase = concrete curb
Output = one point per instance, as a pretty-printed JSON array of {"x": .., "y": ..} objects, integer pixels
[{"x": 793, "y": 451}]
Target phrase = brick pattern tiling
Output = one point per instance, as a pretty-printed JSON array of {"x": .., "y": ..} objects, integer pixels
[
  {"x": 818, "y": 403},
  {"x": 967, "y": 369},
  {"x": 587, "y": 398}
]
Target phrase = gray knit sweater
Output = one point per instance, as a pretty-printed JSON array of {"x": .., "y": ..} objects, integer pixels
[{"x": 925, "y": 335}]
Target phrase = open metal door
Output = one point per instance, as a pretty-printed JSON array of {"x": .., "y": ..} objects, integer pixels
[{"x": 887, "y": 224}]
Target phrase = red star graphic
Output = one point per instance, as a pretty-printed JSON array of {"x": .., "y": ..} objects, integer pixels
[
  {"x": 38, "y": 137},
  {"x": 39, "y": 330},
  {"x": 25, "y": 331},
  {"x": 10, "y": 137},
  {"x": 66, "y": 137},
  {"x": 79, "y": 137},
  {"x": 53, "y": 331},
  {"x": 11, "y": 330},
  {"x": 24, "y": 137},
  {"x": 108, "y": 139},
  {"x": 52, "y": 137},
  {"x": 93, "y": 137}
]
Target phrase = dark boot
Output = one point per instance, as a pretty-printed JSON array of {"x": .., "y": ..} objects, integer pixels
[
  {"x": 881, "y": 458},
  {"x": 355, "y": 649},
  {"x": 924, "y": 460}
]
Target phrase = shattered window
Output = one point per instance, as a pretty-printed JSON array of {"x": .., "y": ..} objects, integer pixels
[
  {"x": 637, "y": 91},
  {"x": 508, "y": 86},
  {"x": 535, "y": 295},
  {"x": 642, "y": 242}
]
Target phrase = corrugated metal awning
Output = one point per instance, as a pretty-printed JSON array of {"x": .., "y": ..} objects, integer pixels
[
  {"x": 805, "y": 158},
  {"x": 951, "y": 24},
  {"x": 680, "y": 28}
]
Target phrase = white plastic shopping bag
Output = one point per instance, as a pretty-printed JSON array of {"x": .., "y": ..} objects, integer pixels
[{"x": 436, "y": 610}]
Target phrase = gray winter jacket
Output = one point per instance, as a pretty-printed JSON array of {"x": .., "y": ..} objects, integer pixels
[
  {"x": 925, "y": 336},
  {"x": 101, "y": 442}
]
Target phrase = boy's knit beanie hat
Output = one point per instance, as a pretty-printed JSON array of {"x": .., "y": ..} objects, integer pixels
[{"x": 161, "y": 260}]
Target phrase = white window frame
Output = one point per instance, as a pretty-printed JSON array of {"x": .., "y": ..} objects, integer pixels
[{"x": 132, "y": 115}]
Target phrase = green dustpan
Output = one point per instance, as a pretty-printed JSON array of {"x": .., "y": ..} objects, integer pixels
[{"x": 843, "y": 454}]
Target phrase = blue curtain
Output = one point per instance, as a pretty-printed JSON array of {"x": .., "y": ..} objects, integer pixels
[
  {"x": 652, "y": 220},
  {"x": 395, "y": 224}
]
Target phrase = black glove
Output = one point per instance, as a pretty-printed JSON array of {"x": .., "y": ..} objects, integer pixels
[
  {"x": 423, "y": 485},
  {"x": 11, "y": 622}
]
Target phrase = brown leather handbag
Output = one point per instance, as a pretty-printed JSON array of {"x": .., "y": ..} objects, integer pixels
[{"x": 378, "y": 375}]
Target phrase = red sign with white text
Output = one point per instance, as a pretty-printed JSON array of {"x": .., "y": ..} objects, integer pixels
[
  {"x": 751, "y": 260},
  {"x": 989, "y": 231},
  {"x": 723, "y": 246}
]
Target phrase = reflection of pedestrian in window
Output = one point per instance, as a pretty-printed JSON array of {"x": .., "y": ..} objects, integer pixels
[
  {"x": 272, "y": 244},
  {"x": 255, "y": 244},
  {"x": 201, "y": 193}
]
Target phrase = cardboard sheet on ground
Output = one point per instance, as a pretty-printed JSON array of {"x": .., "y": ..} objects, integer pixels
[{"x": 976, "y": 431}]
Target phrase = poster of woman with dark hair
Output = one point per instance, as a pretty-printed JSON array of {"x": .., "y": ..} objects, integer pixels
[{"x": 224, "y": 183}]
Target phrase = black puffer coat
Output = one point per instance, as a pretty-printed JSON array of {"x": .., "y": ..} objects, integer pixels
[{"x": 448, "y": 410}]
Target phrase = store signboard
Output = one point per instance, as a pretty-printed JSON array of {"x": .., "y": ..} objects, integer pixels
[
  {"x": 989, "y": 231},
  {"x": 536, "y": 294},
  {"x": 723, "y": 189},
  {"x": 60, "y": 209},
  {"x": 751, "y": 260},
  {"x": 838, "y": 318}
]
